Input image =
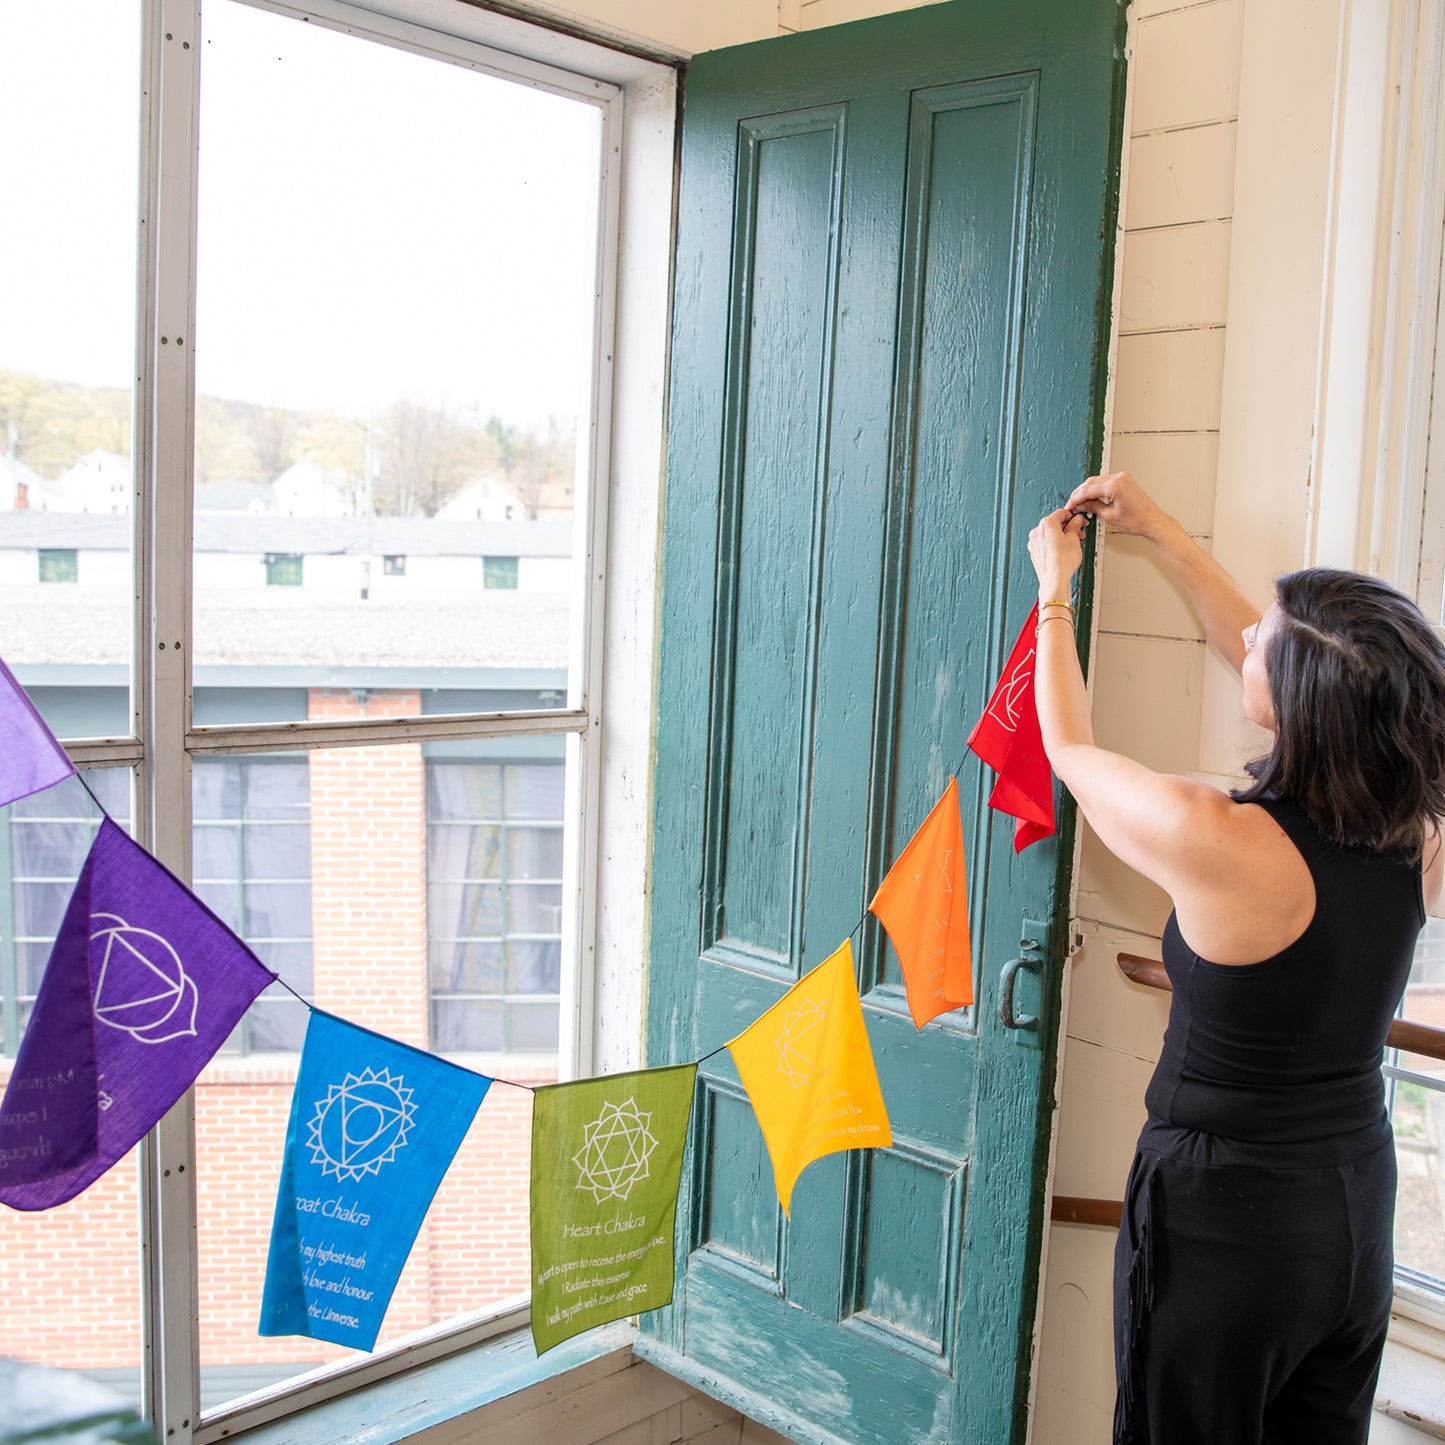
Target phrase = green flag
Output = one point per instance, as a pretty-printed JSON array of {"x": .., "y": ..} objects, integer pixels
[{"x": 606, "y": 1159}]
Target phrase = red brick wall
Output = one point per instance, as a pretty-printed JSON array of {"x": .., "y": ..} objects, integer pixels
[{"x": 70, "y": 1275}]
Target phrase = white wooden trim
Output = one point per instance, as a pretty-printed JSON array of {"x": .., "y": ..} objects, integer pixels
[
  {"x": 1382, "y": 290},
  {"x": 447, "y": 41}
]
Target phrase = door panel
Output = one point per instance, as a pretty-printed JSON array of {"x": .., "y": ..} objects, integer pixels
[{"x": 885, "y": 361}]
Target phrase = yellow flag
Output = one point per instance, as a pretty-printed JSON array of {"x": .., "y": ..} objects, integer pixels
[{"x": 809, "y": 1072}]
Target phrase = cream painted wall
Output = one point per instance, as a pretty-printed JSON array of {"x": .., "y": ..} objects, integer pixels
[{"x": 1218, "y": 326}]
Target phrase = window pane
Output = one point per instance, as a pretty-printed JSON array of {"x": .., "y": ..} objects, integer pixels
[
  {"x": 69, "y": 149},
  {"x": 466, "y": 1026},
  {"x": 385, "y": 945},
  {"x": 277, "y": 850},
  {"x": 534, "y": 853},
  {"x": 535, "y": 965},
  {"x": 216, "y": 853},
  {"x": 534, "y": 908},
  {"x": 393, "y": 489},
  {"x": 75, "y": 1314},
  {"x": 464, "y": 851},
  {"x": 534, "y": 791},
  {"x": 1418, "y": 1112}
]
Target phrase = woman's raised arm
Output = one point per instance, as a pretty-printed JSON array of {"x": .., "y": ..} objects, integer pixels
[{"x": 1215, "y": 596}]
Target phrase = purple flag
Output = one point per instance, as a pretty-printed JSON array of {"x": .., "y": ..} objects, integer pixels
[
  {"x": 143, "y": 985},
  {"x": 30, "y": 757}
]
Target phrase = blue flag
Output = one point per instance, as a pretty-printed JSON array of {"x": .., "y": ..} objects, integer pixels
[
  {"x": 31, "y": 759},
  {"x": 143, "y": 985},
  {"x": 374, "y": 1125}
]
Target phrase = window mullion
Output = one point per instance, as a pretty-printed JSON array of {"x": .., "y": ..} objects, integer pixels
[{"x": 163, "y": 646}]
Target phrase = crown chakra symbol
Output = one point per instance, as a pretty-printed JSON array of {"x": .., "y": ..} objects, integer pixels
[
  {"x": 142, "y": 987},
  {"x": 360, "y": 1124},
  {"x": 616, "y": 1147}
]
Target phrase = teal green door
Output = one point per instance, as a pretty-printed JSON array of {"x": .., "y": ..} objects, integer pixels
[{"x": 888, "y": 324}]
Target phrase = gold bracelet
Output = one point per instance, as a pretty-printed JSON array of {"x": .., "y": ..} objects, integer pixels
[
  {"x": 1053, "y": 617},
  {"x": 1069, "y": 605}
]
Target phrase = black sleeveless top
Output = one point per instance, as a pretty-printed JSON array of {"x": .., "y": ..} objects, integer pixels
[{"x": 1289, "y": 1050}]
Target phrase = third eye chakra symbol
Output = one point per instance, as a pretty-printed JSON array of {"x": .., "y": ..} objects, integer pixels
[
  {"x": 142, "y": 987},
  {"x": 616, "y": 1146},
  {"x": 360, "y": 1124}
]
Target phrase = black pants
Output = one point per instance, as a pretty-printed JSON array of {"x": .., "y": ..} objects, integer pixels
[{"x": 1250, "y": 1300}]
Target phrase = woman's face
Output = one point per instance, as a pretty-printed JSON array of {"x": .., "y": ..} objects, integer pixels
[{"x": 1258, "y": 705}]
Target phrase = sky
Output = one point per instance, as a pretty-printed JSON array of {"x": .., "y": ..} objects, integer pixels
[{"x": 371, "y": 223}]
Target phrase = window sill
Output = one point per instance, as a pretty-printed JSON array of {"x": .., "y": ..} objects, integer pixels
[
  {"x": 434, "y": 1394},
  {"x": 1412, "y": 1378}
]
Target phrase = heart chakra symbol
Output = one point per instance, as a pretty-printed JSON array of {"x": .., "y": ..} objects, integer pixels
[
  {"x": 616, "y": 1146},
  {"x": 360, "y": 1124}
]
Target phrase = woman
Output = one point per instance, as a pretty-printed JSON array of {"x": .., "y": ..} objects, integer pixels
[{"x": 1253, "y": 1271}]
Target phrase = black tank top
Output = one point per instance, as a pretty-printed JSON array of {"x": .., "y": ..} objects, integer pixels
[{"x": 1289, "y": 1050}]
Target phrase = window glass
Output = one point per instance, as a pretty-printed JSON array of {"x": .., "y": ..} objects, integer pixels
[
  {"x": 1418, "y": 1113},
  {"x": 75, "y": 1315},
  {"x": 494, "y": 915},
  {"x": 251, "y": 861},
  {"x": 69, "y": 154},
  {"x": 423, "y": 411},
  {"x": 333, "y": 864}
]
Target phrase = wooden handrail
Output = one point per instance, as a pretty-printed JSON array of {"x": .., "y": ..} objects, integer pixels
[{"x": 1404, "y": 1034}]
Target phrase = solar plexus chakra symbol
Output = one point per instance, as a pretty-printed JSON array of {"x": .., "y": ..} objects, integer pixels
[
  {"x": 616, "y": 1146},
  {"x": 141, "y": 987},
  {"x": 360, "y": 1124},
  {"x": 797, "y": 1041}
]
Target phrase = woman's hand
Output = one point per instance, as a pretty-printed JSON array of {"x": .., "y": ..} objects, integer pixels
[
  {"x": 1121, "y": 502},
  {"x": 1056, "y": 551}
]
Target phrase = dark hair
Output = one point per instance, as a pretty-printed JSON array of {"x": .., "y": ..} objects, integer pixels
[{"x": 1357, "y": 678}]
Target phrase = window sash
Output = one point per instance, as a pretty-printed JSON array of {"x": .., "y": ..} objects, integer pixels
[{"x": 165, "y": 741}]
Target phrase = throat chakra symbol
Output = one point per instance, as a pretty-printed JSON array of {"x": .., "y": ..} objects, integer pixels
[
  {"x": 360, "y": 1124},
  {"x": 142, "y": 987},
  {"x": 616, "y": 1146},
  {"x": 795, "y": 1041}
]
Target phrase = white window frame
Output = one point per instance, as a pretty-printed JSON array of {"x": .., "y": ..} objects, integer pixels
[
  {"x": 1377, "y": 500},
  {"x": 636, "y": 97}
]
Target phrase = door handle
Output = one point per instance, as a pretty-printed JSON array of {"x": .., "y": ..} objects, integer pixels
[{"x": 1006, "y": 1014}]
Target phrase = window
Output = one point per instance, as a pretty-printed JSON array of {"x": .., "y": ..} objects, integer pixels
[
  {"x": 251, "y": 861},
  {"x": 494, "y": 904},
  {"x": 58, "y": 564},
  {"x": 499, "y": 572},
  {"x": 283, "y": 570},
  {"x": 43, "y": 842},
  {"x": 296, "y": 794}
]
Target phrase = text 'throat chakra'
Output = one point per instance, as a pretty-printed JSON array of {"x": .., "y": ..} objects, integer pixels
[
  {"x": 360, "y": 1124},
  {"x": 616, "y": 1146}
]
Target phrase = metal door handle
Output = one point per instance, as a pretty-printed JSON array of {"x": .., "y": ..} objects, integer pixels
[{"x": 1006, "y": 994}]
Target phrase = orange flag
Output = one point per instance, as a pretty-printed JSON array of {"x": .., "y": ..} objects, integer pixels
[
  {"x": 923, "y": 903},
  {"x": 808, "y": 1070}
]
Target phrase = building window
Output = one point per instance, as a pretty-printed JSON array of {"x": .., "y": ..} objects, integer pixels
[
  {"x": 251, "y": 861},
  {"x": 494, "y": 904},
  {"x": 394, "y": 566},
  {"x": 283, "y": 569},
  {"x": 43, "y": 842},
  {"x": 59, "y": 564},
  {"x": 499, "y": 572}
]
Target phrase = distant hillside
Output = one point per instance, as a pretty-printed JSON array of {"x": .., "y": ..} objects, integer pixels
[{"x": 420, "y": 455}]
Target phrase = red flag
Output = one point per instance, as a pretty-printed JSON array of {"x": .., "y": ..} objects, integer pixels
[
  {"x": 923, "y": 903},
  {"x": 1007, "y": 738}
]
